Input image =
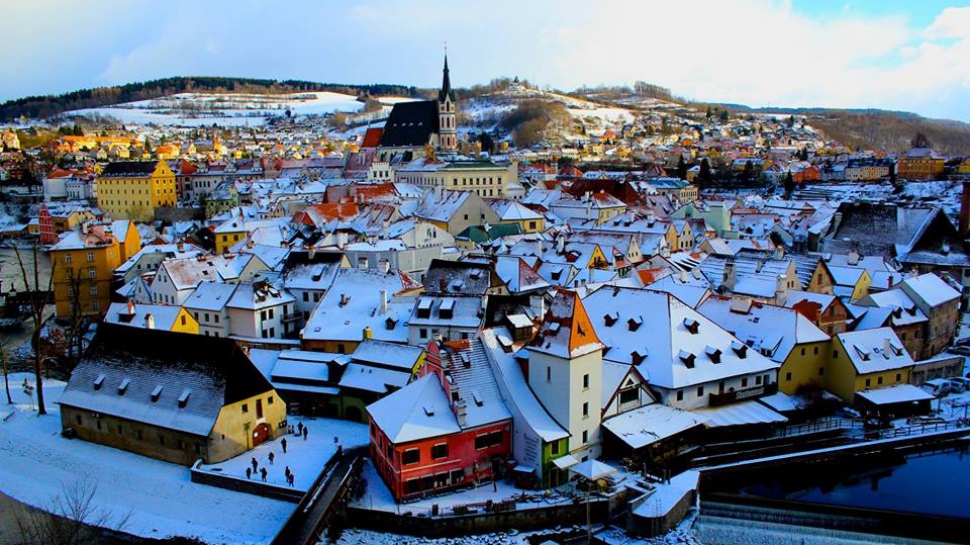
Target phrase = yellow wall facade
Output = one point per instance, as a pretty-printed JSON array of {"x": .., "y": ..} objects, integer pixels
[
  {"x": 137, "y": 197},
  {"x": 806, "y": 369},
  {"x": 94, "y": 294}
]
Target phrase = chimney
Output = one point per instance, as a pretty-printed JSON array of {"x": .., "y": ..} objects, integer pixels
[
  {"x": 362, "y": 262},
  {"x": 561, "y": 243},
  {"x": 131, "y": 308},
  {"x": 781, "y": 290},
  {"x": 887, "y": 347},
  {"x": 965, "y": 210},
  {"x": 780, "y": 252},
  {"x": 368, "y": 334},
  {"x": 539, "y": 246},
  {"x": 891, "y": 280},
  {"x": 460, "y": 412},
  {"x": 729, "y": 276},
  {"x": 149, "y": 321},
  {"x": 383, "y": 301},
  {"x": 384, "y": 265}
]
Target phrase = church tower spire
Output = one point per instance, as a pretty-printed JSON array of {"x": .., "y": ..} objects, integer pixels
[{"x": 447, "y": 129}]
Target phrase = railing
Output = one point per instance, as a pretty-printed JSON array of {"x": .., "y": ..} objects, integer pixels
[{"x": 892, "y": 433}]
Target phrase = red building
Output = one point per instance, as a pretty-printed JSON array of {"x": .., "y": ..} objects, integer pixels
[
  {"x": 47, "y": 233},
  {"x": 447, "y": 429}
]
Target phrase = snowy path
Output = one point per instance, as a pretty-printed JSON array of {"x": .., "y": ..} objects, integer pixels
[{"x": 36, "y": 462}]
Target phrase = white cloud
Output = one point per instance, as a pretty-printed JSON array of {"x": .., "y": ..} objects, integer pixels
[{"x": 761, "y": 52}]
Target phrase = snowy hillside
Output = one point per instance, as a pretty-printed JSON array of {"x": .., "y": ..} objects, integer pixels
[{"x": 195, "y": 109}]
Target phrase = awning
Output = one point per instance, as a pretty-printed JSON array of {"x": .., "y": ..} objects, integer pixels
[
  {"x": 592, "y": 470},
  {"x": 565, "y": 461},
  {"x": 524, "y": 469},
  {"x": 903, "y": 393},
  {"x": 740, "y": 414},
  {"x": 650, "y": 423},
  {"x": 782, "y": 402}
]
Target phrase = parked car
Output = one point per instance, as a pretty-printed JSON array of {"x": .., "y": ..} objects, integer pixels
[
  {"x": 938, "y": 387},
  {"x": 959, "y": 384}
]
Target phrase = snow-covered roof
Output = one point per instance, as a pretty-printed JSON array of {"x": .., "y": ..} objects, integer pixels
[
  {"x": 566, "y": 331},
  {"x": 739, "y": 414},
  {"x": 931, "y": 289},
  {"x": 651, "y": 423},
  {"x": 875, "y": 350},
  {"x": 418, "y": 411},
  {"x": 901, "y": 393},
  {"x": 772, "y": 330},
  {"x": 390, "y": 355},
  {"x": 373, "y": 379},
  {"x": 170, "y": 380},
  {"x": 163, "y": 317},
  {"x": 210, "y": 296},
  {"x": 672, "y": 340}
]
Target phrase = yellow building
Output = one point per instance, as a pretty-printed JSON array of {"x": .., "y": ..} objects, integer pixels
[
  {"x": 851, "y": 282},
  {"x": 964, "y": 167},
  {"x": 135, "y": 189},
  {"x": 160, "y": 317},
  {"x": 865, "y": 360},
  {"x": 512, "y": 212},
  {"x": 170, "y": 396},
  {"x": 228, "y": 234},
  {"x": 920, "y": 164},
  {"x": 83, "y": 262}
]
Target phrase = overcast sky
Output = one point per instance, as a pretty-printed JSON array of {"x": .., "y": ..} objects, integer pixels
[{"x": 895, "y": 54}]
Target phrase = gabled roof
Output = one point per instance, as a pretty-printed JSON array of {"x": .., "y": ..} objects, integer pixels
[
  {"x": 875, "y": 350},
  {"x": 129, "y": 169},
  {"x": 410, "y": 124},
  {"x": 418, "y": 411},
  {"x": 566, "y": 330},
  {"x": 170, "y": 380},
  {"x": 163, "y": 317}
]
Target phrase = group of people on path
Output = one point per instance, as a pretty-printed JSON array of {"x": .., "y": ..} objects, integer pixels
[{"x": 263, "y": 472}]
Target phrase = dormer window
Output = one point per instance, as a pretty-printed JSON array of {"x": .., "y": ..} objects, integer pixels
[
  {"x": 713, "y": 353},
  {"x": 637, "y": 356},
  {"x": 123, "y": 387},
  {"x": 740, "y": 349},
  {"x": 98, "y": 382},
  {"x": 611, "y": 318},
  {"x": 424, "y": 308},
  {"x": 156, "y": 393},
  {"x": 446, "y": 310},
  {"x": 692, "y": 325},
  {"x": 687, "y": 358},
  {"x": 634, "y": 323},
  {"x": 184, "y": 398}
]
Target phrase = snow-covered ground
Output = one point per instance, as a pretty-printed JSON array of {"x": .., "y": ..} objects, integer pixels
[
  {"x": 36, "y": 463},
  {"x": 305, "y": 458},
  {"x": 379, "y": 498},
  {"x": 244, "y": 109}
]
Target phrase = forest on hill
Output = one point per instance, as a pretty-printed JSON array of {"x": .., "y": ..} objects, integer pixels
[{"x": 52, "y": 105}]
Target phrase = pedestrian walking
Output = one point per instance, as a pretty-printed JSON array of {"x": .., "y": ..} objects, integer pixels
[
  {"x": 272, "y": 457},
  {"x": 291, "y": 479},
  {"x": 254, "y": 463},
  {"x": 249, "y": 473},
  {"x": 263, "y": 472},
  {"x": 299, "y": 427},
  {"x": 287, "y": 473},
  {"x": 305, "y": 431},
  {"x": 283, "y": 444},
  {"x": 340, "y": 450}
]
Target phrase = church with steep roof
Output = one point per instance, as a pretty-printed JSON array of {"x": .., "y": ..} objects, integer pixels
[{"x": 414, "y": 127}]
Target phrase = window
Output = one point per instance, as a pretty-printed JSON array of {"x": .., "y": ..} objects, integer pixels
[
  {"x": 423, "y": 333},
  {"x": 259, "y": 408},
  {"x": 816, "y": 350},
  {"x": 899, "y": 377},
  {"x": 629, "y": 395},
  {"x": 92, "y": 273},
  {"x": 585, "y": 437},
  {"x": 306, "y": 296},
  {"x": 700, "y": 391},
  {"x": 77, "y": 418},
  {"x": 788, "y": 377},
  {"x": 94, "y": 290},
  {"x": 245, "y": 408},
  {"x": 821, "y": 371},
  {"x": 68, "y": 258},
  {"x": 868, "y": 382},
  {"x": 270, "y": 314},
  {"x": 757, "y": 381},
  {"x": 680, "y": 395},
  {"x": 803, "y": 350},
  {"x": 586, "y": 381},
  {"x": 835, "y": 354},
  {"x": 269, "y": 400},
  {"x": 586, "y": 410},
  {"x": 879, "y": 380},
  {"x": 548, "y": 374},
  {"x": 744, "y": 382},
  {"x": 553, "y": 447},
  {"x": 90, "y": 256},
  {"x": 439, "y": 451}
]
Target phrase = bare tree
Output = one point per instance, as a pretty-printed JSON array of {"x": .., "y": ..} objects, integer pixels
[
  {"x": 38, "y": 302},
  {"x": 6, "y": 378},
  {"x": 76, "y": 328},
  {"x": 73, "y": 519}
]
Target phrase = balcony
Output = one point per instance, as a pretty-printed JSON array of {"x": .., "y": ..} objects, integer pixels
[
  {"x": 290, "y": 318},
  {"x": 741, "y": 395}
]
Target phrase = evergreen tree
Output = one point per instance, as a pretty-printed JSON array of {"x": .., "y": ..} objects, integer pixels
[
  {"x": 748, "y": 172},
  {"x": 724, "y": 116},
  {"x": 704, "y": 177},
  {"x": 682, "y": 168},
  {"x": 789, "y": 182}
]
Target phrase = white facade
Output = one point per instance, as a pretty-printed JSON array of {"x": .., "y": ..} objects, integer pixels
[{"x": 571, "y": 390}]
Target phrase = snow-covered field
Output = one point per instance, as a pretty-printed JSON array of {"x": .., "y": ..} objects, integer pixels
[
  {"x": 195, "y": 109},
  {"x": 36, "y": 463},
  {"x": 305, "y": 458}
]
